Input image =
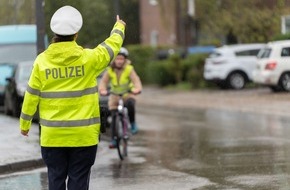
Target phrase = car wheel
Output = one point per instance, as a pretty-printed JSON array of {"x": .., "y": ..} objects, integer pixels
[
  {"x": 285, "y": 82},
  {"x": 16, "y": 109},
  {"x": 236, "y": 80},
  {"x": 7, "y": 111}
]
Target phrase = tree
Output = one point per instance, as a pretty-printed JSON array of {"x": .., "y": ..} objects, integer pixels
[
  {"x": 17, "y": 12},
  {"x": 247, "y": 20},
  {"x": 99, "y": 17},
  {"x": 130, "y": 12}
]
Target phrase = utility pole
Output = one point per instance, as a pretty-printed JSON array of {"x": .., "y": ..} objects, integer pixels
[
  {"x": 180, "y": 24},
  {"x": 40, "y": 25},
  {"x": 117, "y": 7},
  {"x": 194, "y": 25}
]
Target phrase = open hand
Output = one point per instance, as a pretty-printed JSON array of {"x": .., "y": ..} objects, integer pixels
[{"x": 24, "y": 133}]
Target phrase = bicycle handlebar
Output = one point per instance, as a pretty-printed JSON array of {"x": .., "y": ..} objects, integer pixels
[{"x": 122, "y": 93}]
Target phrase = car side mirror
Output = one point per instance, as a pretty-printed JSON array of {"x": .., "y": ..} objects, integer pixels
[{"x": 9, "y": 79}]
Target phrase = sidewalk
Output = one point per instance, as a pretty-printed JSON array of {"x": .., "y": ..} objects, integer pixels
[
  {"x": 19, "y": 152},
  {"x": 259, "y": 101}
]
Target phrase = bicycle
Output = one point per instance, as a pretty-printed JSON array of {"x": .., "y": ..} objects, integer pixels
[{"x": 121, "y": 132}]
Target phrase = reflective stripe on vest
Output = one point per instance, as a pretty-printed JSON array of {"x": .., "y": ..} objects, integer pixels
[
  {"x": 118, "y": 32},
  {"x": 71, "y": 123},
  {"x": 26, "y": 117},
  {"x": 109, "y": 49},
  {"x": 66, "y": 94}
]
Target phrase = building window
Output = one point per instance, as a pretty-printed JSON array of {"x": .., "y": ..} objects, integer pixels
[
  {"x": 285, "y": 24},
  {"x": 154, "y": 38},
  {"x": 153, "y": 2}
]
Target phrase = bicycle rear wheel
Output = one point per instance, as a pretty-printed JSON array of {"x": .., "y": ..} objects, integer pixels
[{"x": 122, "y": 142}]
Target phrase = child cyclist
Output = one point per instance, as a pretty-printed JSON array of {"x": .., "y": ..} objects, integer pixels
[{"x": 122, "y": 78}]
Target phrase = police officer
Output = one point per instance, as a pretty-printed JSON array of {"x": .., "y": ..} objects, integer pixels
[{"x": 63, "y": 86}]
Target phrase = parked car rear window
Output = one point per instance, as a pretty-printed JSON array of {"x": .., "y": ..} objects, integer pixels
[
  {"x": 285, "y": 52},
  {"x": 264, "y": 53},
  {"x": 17, "y": 52},
  {"x": 253, "y": 52}
]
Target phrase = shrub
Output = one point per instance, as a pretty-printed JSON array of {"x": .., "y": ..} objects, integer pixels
[
  {"x": 174, "y": 70},
  {"x": 159, "y": 72},
  {"x": 140, "y": 57},
  {"x": 282, "y": 37},
  {"x": 193, "y": 70}
]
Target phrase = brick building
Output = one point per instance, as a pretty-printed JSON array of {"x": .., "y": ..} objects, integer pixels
[
  {"x": 163, "y": 23},
  {"x": 171, "y": 22},
  {"x": 156, "y": 30}
]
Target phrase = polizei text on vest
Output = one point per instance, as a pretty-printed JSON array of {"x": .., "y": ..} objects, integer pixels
[{"x": 65, "y": 72}]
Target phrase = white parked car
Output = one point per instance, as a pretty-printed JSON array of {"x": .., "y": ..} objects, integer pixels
[
  {"x": 232, "y": 66},
  {"x": 273, "y": 66}
]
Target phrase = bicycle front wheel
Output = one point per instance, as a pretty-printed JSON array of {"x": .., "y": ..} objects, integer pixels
[{"x": 122, "y": 141}]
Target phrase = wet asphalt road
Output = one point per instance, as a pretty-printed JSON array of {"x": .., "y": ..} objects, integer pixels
[
  {"x": 202, "y": 149},
  {"x": 178, "y": 149}
]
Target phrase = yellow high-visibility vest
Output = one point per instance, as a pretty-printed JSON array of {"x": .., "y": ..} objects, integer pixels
[
  {"x": 63, "y": 85},
  {"x": 122, "y": 84}
]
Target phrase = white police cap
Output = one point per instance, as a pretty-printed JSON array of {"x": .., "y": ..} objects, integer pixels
[{"x": 66, "y": 21}]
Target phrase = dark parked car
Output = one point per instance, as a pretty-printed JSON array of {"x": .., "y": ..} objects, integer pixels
[
  {"x": 103, "y": 101},
  {"x": 17, "y": 44},
  {"x": 6, "y": 70},
  {"x": 16, "y": 87}
]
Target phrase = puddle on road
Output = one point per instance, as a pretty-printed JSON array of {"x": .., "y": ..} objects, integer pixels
[
  {"x": 32, "y": 180},
  {"x": 225, "y": 147}
]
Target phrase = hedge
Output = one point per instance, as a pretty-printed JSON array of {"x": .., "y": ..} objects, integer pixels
[{"x": 171, "y": 71}]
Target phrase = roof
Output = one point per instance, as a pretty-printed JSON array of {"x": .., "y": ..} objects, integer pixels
[
  {"x": 240, "y": 47},
  {"x": 11, "y": 34}
]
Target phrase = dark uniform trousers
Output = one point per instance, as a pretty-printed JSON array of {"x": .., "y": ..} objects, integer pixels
[{"x": 74, "y": 162}]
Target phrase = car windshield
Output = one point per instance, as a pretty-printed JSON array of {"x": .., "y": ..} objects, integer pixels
[
  {"x": 17, "y": 52},
  {"x": 264, "y": 53},
  {"x": 23, "y": 72},
  {"x": 5, "y": 72}
]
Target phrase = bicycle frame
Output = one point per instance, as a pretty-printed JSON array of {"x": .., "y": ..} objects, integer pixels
[
  {"x": 123, "y": 113},
  {"x": 121, "y": 128}
]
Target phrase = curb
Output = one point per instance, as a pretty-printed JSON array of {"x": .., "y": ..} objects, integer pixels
[
  {"x": 33, "y": 163},
  {"x": 21, "y": 166}
]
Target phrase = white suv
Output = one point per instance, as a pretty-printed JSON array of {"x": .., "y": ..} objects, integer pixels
[
  {"x": 273, "y": 66},
  {"x": 232, "y": 66}
]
